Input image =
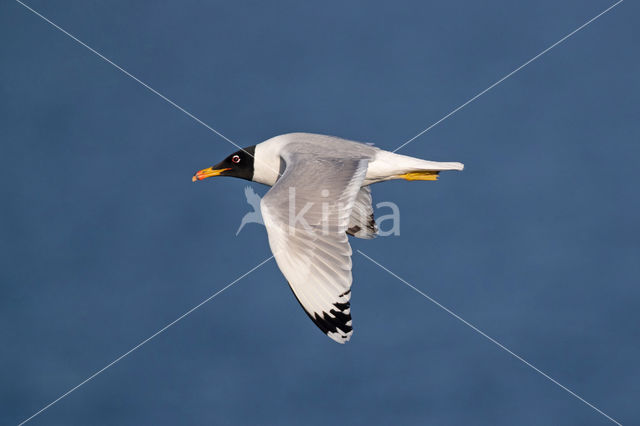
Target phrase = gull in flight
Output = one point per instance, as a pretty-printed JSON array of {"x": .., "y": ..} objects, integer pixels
[{"x": 320, "y": 193}]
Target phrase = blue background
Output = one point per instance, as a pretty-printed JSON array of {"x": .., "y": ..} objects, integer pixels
[{"x": 104, "y": 239}]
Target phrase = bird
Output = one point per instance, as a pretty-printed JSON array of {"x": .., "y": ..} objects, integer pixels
[
  {"x": 320, "y": 194},
  {"x": 255, "y": 216}
]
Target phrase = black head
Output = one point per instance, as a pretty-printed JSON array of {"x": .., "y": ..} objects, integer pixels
[{"x": 239, "y": 164}]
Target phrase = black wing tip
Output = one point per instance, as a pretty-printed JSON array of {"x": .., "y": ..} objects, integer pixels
[
  {"x": 335, "y": 324},
  {"x": 334, "y": 320}
]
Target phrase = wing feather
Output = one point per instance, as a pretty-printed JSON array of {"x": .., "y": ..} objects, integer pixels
[
  {"x": 314, "y": 253},
  {"x": 362, "y": 223}
]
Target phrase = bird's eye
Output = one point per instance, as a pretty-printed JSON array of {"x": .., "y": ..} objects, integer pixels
[{"x": 235, "y": 159}]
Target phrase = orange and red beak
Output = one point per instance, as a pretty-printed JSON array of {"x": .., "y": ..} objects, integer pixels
[{"x": 210, "y": 172}]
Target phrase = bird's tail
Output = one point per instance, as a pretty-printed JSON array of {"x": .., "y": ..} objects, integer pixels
[{"x": 411, "y": 168}]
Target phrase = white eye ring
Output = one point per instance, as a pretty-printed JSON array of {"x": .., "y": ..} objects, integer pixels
[{"x": 235, "y": 159}]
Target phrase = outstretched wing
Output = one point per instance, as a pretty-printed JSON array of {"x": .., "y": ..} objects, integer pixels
[{"x": 306, "y": 214}]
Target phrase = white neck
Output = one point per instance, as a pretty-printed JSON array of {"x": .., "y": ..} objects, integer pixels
[{"x": 266, "y": 162}]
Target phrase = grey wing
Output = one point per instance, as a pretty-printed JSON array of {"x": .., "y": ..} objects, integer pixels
[
  {"x": 306, "y": 214},
  {"x": 362, "y": 223}
]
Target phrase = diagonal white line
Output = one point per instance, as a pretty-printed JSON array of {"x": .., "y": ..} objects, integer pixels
[
  {"x": 136, "y": 347},
  {"x": 508, "y": 75},
  {"x": 127, "y": 73},
  {"x": 492, "y": 340}
]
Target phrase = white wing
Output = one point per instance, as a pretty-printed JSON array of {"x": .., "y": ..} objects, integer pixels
[{"x": 306, "y": 214}]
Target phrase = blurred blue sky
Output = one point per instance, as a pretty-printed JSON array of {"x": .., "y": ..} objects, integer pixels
[{"x": 105, "y": 239}]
